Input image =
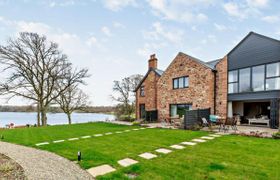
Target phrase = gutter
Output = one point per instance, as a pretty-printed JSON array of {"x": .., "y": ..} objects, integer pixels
[{"x": 215, "y": 83}]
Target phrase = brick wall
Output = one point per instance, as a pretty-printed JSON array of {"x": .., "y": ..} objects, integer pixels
[
  {"x": 200, "y": 92},
  {"x": 221, "y": 88},
  {"x": 149, "y": 99}
]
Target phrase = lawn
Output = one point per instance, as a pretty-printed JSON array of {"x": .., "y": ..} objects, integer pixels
[{"x": 227, "y": 157}]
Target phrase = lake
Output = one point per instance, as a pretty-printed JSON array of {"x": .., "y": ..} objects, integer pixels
[{"x": 23, "y": 118}]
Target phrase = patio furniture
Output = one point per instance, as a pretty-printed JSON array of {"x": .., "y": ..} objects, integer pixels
[
  {"x": 213, "y": 118},
  {"x": 230, "y": 122},
  {"x": 262, "y": 120},
  {"x": 205, "y": 123}
]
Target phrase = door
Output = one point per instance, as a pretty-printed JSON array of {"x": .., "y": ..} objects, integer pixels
[{"x": 142, "y": 111}]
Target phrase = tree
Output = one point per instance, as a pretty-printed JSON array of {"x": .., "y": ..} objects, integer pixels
[
  {"x": 37, "y": 70},
  {"x": 71, "y": 100},
  {"x": 125, "y": 94}
]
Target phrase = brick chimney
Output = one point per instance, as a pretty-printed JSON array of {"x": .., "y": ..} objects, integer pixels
[{"x": 153, "y": 61}]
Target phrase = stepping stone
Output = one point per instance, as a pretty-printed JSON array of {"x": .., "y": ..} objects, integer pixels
[
  {"x": 119, "y": 132},
  {"x": 148, "y": 155},
  {"x": 98, "y": 135},
  {"x": 142, "y": 128},
  {"x": 188, "y": 143},
  {"x": 73, "y": 139},
  {"x": 41, "y": 144},
  {"x": 109, "y": 133},
  {"x": 207, "y": 137},
  {"x": 135, "y": 129},
  {"x": 85, "y": 137},
  {"x": 150, "y": 127},
  {"x": 163, "y": 151},
  {"x": 199, "y": 140},
  {"x": 101, "y": 170},
  {"x": 177, "y": 147},
  {"x": 58, "y": 141},
  {"x": 127, "y": 162},
  {"x": 127, "y": 130},
  {"x": 215, "y": 135}
]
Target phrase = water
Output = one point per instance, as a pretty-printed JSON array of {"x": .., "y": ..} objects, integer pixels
[{"x": 23, "y": 118}]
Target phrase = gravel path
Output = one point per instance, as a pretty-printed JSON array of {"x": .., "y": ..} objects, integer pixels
[{"x": 41, "y": 165}]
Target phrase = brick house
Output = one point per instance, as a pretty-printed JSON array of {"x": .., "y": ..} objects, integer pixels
[{"x": 245, "y": 82}]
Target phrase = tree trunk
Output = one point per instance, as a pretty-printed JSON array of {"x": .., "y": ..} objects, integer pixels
[
  {"x": 38, "y": 115},
  {"x": 69, "y": 118},
  {"x": 43, "y": 117}
]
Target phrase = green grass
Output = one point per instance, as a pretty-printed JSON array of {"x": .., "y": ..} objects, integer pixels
[{"x": 227, "y": 157}]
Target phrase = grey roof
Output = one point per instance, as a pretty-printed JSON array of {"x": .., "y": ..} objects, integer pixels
[
  {"x": 213, "y": 63},
  {"x": 157, "y": 71}
]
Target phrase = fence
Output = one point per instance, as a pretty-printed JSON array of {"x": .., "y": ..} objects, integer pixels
[{"x": 193, "y": 117}]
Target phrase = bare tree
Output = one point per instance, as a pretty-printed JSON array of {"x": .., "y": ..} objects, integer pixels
[
  {"x": 37, "y": 71},
  {"x": 125, "y": 95},
  {"x": 71, "y": 100}
]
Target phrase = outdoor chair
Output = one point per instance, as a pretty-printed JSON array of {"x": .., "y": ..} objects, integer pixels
[{"x": 205, "y": 123}]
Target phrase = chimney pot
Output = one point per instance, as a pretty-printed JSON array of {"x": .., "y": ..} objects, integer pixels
[{"x": 153, "y": 61}]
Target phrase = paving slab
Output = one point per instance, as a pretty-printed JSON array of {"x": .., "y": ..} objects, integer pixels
[
  {"x": 43, "y": 143},
  {"x": 188, "y": 143},
  {"x": 199, "y": 140},
  {"x": 142, "y": 128},
  {"x": 119, "y": 132},
  {"x": 98, "y": 135},
  {"x": 58, "y": 141},
  {"x": 163, "y": 151},
  {"x": 177, "y": 146},
  {"x": 215, "y": 135},
  {"x": 85, "y": 137},
  {"x": 101, "y": 170},
  {"x": 135, "y": 129},
  {"x": 127, "y": 130},
  {"x": 108, "y": 133},
  {"x": 127, "y": 162},
  {"x": 148, "y": 155},
  {"x": 73, "y": 139},
  {"x": 207, "y": 137}
]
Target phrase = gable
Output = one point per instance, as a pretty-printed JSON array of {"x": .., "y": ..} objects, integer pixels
[
  {"x": 254, "y": 49},
  {"x": 151, "y": 70}
]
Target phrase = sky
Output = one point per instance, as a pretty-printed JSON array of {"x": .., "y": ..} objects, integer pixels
[{"x": 114, "y": 38}]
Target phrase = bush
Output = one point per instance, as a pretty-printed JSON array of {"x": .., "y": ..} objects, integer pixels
[{"x": 276, "y": 135}]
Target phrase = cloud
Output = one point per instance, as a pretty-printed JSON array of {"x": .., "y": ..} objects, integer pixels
[
  {"x": 220, "y": 27},
  {"x": 150, "y": 48},
  {"x": 106, "y": 31},
  {"x": 209, "y": 39},
  {"x": 271, "y": 19},
  {"x": 116, "y": 5},
  {"x": 118, "y": 25},
  {"x": 258, "y": 3},
  {"x": 180, "y": 10}
]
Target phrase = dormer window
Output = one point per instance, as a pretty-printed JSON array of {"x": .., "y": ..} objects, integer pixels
[
  {"x": 142, "y": 91},
  {"x": 181, "y": 82}
]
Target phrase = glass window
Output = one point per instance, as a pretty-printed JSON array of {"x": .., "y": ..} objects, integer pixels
[
  {"x": 233, "y": 88},
  {"x": 232, "y": 76},
  {"x": 245, "y": 80},
  {"x": 142, "y": 91},
  {"x": 175, "y": 83},
  {"x": 273, "y": 70},
  {"x": 181, "y": 82},
  {"x": 179, "y": 109},
  {"x": 186, "y": 82},
  {"x": 258, "y": 78},
  {"x": 273, "y": 83}
]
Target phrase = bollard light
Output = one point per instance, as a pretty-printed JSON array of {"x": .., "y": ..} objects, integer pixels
[{"x": 79, "y": 155}]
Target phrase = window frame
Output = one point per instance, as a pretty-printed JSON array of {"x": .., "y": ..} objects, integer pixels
[
  {"x": 142, "y": 91},
  {"x": 180, "y": 104},
  {"x": 178, "y": 84},
  {"x": 234, "y": 82}
]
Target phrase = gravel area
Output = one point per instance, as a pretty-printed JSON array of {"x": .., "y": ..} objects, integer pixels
[
  {"x": 9, "y": 169},
  {"x": 41, "y": 165}
]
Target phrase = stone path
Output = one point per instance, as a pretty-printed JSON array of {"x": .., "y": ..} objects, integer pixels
[
  {"x": 127, "y": 162},
  {"x": 38, "y": 164},
  {"x": 101, "y": 170}
]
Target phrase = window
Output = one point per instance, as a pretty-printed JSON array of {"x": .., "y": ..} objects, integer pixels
[
  {"x": 179, "y": 109},
  {"x": 245, "y": 80},
  {"x": 273, "y": 76},
  {"x": 258, "y": 76},
  {"x": 182, "y": 82},
  {"x": 142, "y": 91},
  {"x": 233, "y": 81},
  {"x": 273, "y": 83}
]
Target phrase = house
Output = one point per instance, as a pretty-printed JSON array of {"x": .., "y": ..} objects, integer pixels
[{"x": 245, "y": 82}]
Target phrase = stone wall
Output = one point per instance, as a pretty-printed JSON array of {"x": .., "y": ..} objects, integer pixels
[{"x": 200, "y": 92}]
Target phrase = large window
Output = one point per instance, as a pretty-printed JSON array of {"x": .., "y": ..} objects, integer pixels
[
  {"x": 233, "y": 81},
  {"x": 179, "y": 109},
  {"x": 181, "y": 82},
  {"x": 258, "y": 78},
  {"x": 273, "y": 76},
  {"x": 245, "y": 80}
]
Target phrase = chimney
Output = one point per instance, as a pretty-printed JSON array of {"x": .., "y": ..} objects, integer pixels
[{"x": 153, "y": 62}]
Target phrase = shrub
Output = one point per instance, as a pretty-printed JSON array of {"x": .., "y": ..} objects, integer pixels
[{"x": 276, "y": 135}]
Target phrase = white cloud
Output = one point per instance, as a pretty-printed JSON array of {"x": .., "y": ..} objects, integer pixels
[
  {"x": 209, "y": 39},
  {"x": 271, "y": 19},
  {"x": 116, "y": 5},
  {"x": 118, "y": 25},
  {"x": 258, "y": 3},
  {"x": 106, "y": 31},
  {"x": 180, "y": 10},
  {"x": 220, "y": 27},
  {"x": 150, "y": 48},
  {"x": 92, "y": 41},
  {"x": 234, "y": 9}
]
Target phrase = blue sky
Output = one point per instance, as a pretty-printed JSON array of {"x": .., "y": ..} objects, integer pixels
[{"x": 114, "y": 38}]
